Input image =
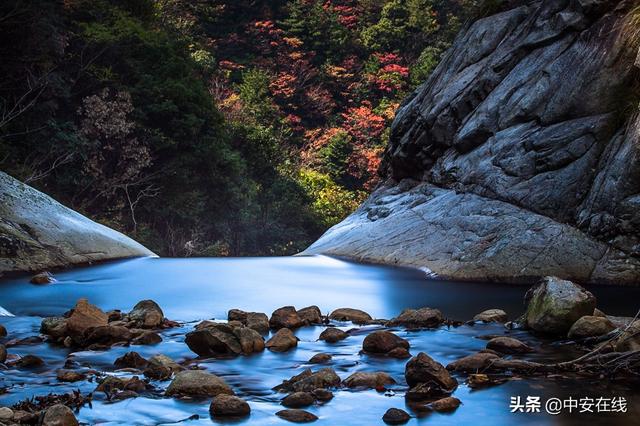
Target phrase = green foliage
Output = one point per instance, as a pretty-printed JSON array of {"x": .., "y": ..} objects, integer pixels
[
  {"x": 335, "y": 156},
  {"x": 426, "y": 63},
  {"x": 254, "y": 93}
]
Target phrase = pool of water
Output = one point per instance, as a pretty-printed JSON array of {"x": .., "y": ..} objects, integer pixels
[{"x": 190, "y": 290}]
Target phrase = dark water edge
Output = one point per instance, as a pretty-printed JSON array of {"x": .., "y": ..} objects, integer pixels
[{"x": 190, "y": 290}]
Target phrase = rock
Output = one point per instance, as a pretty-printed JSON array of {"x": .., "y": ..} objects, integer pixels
[
  {"x": 84, "y": 317},
  {"x": 282, "y": 341},
  {"x": 197, "y": 383},
  {"x": 29, "y": 361},
  {"x": 308, "y": 381},
  {"x": 383, "y": 342},
  {"x": 59, "y": 415},
  {"x": 147, "y": 338},
  {"x": 70, "y": 375},
  {"x": 40, "y": 233},
  {"x": 161, "y": 367},
  {"x": 333, "y": 335},
  {"x": 146, "y": 314},
  {"x": 629, "y": 339},
  {"x": 322, "y": 395},
  {"x": 418, "y": 318},
  {"x": 42, "y": 278},
  {"x": 214, "y": 341},
  {"x": 131, "y": 360},
  {"x": 361, "y": 379},
  {"x": 449, "y": 403},
  {"x": 320, "y": 358},
  {"x": 310, "y": 315},
  {"x": 492, "y": 315},
  {"x": 590, "y": 326},
  {"x": 107, "y": 335},
  {"x": 298, "y": 400},
  {"x": 285, "y": 317},
  {"x": 258, "y": 321},
  {"x": 493, "y": 172},
  {"x": 598, "y": 313},
  {"x": 396, "y": 416},
  {"x": 3, "y": 331},
  {"x": 399, "y": 353},
  {"x": 554, "y": 305},
  {"x": 250, "y": 340},
  {"x": 55, "y": 327},
  {"x": 6, "y": 414},
  {"x": 508, "y": 345},
  {"x": 114, "y": 315},
  {"x": 297, "y": 416},
  {"x": 229, "y": 406},
  {"x": 25, "y": 417},
  {"x": 356, "y": 316},
  {"x": 423, "y": 369},
  {"x": 3, "y": 354},
  {"x": 474, "y": 362},
  {"x": 478, "y": 380}
]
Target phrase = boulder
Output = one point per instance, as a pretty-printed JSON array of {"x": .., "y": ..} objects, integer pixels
[
  {"x": 322, "y": 395},
  {"x": 64, "y": 375},
  {"x": 418, "y": 318},
  {"x": 197, "y": 383},
  {"x": 146, "y": 314},
  {"x": 554, "y": 305},
  {"x": 146, "y": 337},
  {"x": 55, "y": 327},
  {"x": 254, "y": 320},
  {"x": 28, "y": 361},
  {"x": 282, "y": 341},
  {"x": 161, "y": 367},
  {"x": 214, "y": 341},
  {"x": 6, "y": 414},
  {"x": 448, "y": 403},
  {"x": 356, "y": 316},
  {"x": 399, "y": 353},
  {"x": 383, "y": 342},
  {"x": 250, "y": 340},
  {"x": 473, "y": 362},
  {"x": 298, "y": 400},
  {"x": 492, "y": 315},
  {"x": 395, "y": 416},
  {"x": 285, "y": 317},
  {"x": 107, "y": 335},
  {"x": 297, "y": 416},
  {"x": 320, "y": 358},
  {"x": 229, "y": 406},
  {"x": 508, "y": 345},
  {"x": 590, "y": 326},
  {"x": 131, "y": 360},
  {"x": 308, "y": 381},
  {"x": 423, "y": 369},
  {"x": 310, "y": 315},
  {"x": 42, "y": 278},
  {"x": 59, "y": 415},
  {"x": 85, "y": 316},
  {"x": 333, "y": 335},
  {"x": 367, "y": 380}
]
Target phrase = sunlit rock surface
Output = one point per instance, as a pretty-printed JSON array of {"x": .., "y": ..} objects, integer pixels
[
  {"x": 518, "y": 158},
  {"x": 37, "y": 233}
]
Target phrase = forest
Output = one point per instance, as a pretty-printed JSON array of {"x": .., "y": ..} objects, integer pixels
[{"x": 212, "y": 128}]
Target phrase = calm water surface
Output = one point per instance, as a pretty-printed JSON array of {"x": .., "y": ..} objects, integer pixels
[{"x": 190, "y": 290}]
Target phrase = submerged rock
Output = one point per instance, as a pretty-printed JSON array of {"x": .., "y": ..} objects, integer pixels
[
  {"x": 285, "y": 317},
  {"x": 449, "y": 403},
  {"x": 473, "y": 363},
  {"x": 298, "y": 400},
  {"x": 42, "y": 278},
  {"x": 282, "y": 341},
  {"x": 197, "y": 383},
  {"x": 320, "y": 358},
  {"x": 396, "y": 416},
  {"x": 492, "y": 315},
  {"x": 367, "y": 380},
  {"x": 356, "y": 316},
  {"x": 590, "y": 326},
  {"x": 418, "y": 318},
  {"x": 229, "y": 406},
  {"x": 554, "y": 305},
  {"x": 422, "y": 369},
  {"x": 59, "y": 415},
  {"x": 508, "y": 345},
  {"x": 28, "y": 361},
  {"x": 70, "y": 375},
  {"x": 297, "y": 416},
  {"x": 332, "y": 335},
  {"x": 146, "y": 314},
  {"x": 383, "y": 342}
]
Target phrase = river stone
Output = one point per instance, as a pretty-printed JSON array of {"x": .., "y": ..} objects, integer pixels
[
  {"x": 145, "y": 337},
  {"x": 84, "y": 317},
  {"x": 59, "y": 415},
  {"x": 423, "y": 369},
  {"x": 297, "y": 416},
  {"x": 396, "y": 416},
  {"x": 472, "y": 363},
  {"x": 213, "y": 341},
  {"x": 55, "y": 327},
  {"x": 310, "y": 315},
  {"x": 198, "y": 383},
  {"x": 3, "y": 331},
  {"x": 64, "y": 375},
  {"x": 590, "y": 326},
  {"x": 492, "y": 315},
  {"x": 356, "y": 316},
  {"x": 6, "y": 413},
  {"x": 43, "y": 234},
  {"x": 367, "y": 380},
  {"x": 285, "y": 317},
  {"x": 508, "y": 345},
  {"x": 282, "y": 341},
  {"x": 418, "y": 318},
  {"x": 3, "y": 353},
  {"x": 42, "y": 278},
  {"x": 250, "y": 340},
  {"x": 29, "y": 361},
  {"x": 308, "y": 381},
  {"x": 598, "y": 313},
  {"x": 107, "y": 335},
  {"x": 383, "y": 342},
  {"x": 161, "y": 367},
  {"x": 554, "y": 305},
  {"x": 229, "y": 406},
  {"x": 322, "y": 395},
  {"x": 320, "y": 358},
  {"x": 449, "y": 403},
  {"x": 257, "y": 321},
  {"x": 629, "y": 340},
  {"x": 298, "y": 400},
  {"x": 333, "y": 335},
  {"x": 146, "y": 314},
  {"x": 131, "y": 360}
]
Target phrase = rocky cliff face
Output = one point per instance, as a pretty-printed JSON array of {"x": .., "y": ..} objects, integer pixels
[
  {"x": 519, "y": 157},
  {"x": 38, "y": 233}
]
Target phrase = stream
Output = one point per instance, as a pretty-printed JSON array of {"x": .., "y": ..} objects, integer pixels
[{"x": 191, "y": 290}]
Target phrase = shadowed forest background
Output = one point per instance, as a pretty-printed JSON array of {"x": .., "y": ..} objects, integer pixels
[{"x": 212, "y": 127}]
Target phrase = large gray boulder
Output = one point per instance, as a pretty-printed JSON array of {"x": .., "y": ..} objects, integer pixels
[
  {"x": 516, "y": 158},
  {"x": 37, "y": 233}
]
